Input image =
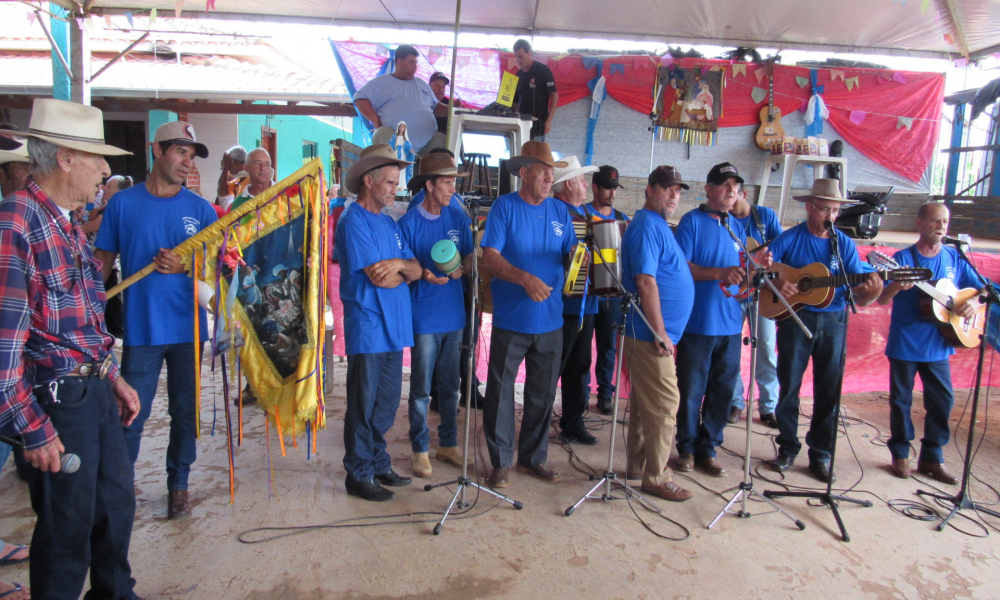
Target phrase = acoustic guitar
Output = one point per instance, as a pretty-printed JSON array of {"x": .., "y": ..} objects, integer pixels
[
  {"x": 770, "y": 116},
  {"x": 816, "y": 286},
  {"x": 939, "y": 304}
]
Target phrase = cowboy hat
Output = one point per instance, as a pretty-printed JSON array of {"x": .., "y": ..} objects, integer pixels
[
  {"x": 69, "y": 125},
  {"x": 437, "y": 164},
  {"x": 531, "y": 153},
  {"x": 824, "y": 189},
  {"x": 571, "y": 170},
  {"x": 12, "y": 156},
  {"x": 372, "y": 157}
]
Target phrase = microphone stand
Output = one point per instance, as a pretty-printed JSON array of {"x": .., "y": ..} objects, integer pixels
[
  {"x": 458, "y": 500},
  {"x": 609, "y": 477},
  {"x": 745, "y": 489},
  {"x": 963, "y": 500},
  {"x": 828, "y": 498}
]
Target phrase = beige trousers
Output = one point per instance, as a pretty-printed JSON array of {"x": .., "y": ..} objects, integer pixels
[{"x": 654, "y": 399}]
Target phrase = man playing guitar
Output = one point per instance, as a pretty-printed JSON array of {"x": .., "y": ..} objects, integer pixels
[{"x": 915, "y": 345}]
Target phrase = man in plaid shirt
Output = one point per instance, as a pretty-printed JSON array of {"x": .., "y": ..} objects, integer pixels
[{"x": 60, "y": 389}]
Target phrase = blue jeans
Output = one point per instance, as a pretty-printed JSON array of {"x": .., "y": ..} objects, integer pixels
[
  {"x": 84, "y": 518},
  {"x": 707, "y": 368},
  {"x": 609, "y": 313},
  {"x": 938, "y": 400},
  {"x": 434, "y": 356},
  {"x": 5, "y": 451},
  {"x": 374, "y": 388},
  {"x": 141, "y": 367},
  {"x": 540, "y": 354},
  {"x": 766, "y": 369},
  {"x": 794, "y": 352}
]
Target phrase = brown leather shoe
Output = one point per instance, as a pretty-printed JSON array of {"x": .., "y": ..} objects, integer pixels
[
  {"x": 539, "y": 471},
  {"x": 178, "y": 503},
  {"x": 709, "y": 466},
  {"x": 685, "y": 462},
  {"x": 498, "y": 478},
  {"x": 937, "y": 471},
  {"x": 734, "y": 415},
  {"x": 668, "y": 491},
  {"x": 901, "y": 468}
]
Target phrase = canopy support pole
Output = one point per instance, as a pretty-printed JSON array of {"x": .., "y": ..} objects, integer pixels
[{"x": 454, "y": 64}]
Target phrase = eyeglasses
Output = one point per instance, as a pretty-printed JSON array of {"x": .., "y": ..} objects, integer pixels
[{"x": 829, "y": 210}]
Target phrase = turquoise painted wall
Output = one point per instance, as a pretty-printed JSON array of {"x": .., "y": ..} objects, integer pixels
[
  {"x": 157, "y": 118},
  {"x": 292, "y": 131}
]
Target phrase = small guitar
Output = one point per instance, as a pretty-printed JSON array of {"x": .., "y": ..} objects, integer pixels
[
  {"x": 939, "y": 304},
  {"x": 817, "y": 286},
  {"x": 770, "y": 117}
]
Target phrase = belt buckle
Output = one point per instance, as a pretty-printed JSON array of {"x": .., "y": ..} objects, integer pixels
[{"x": 85, "y": 369}]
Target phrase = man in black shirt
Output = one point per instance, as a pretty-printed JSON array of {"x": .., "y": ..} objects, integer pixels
[{"x": 536, "y": 91}]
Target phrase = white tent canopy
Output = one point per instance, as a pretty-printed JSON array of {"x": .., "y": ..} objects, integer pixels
[{"x": 917, "y": 27}]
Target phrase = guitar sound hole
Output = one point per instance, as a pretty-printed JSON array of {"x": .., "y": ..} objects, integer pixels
[{"x": 804, "y": 285}]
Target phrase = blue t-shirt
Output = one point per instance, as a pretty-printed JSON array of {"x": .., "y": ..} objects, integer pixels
[
  {"x": 375, "y": 319},
  {"x": 797, "y": 247},
  {"x": 911, "y": 337},
  {"x": 409, "y": 100},
  {"x": 772, "y": 227},
  {"x": 158, "y": 307},
  {"x": 534, "y": 239},
  {"x": 436, "y": 308},
  {"x": 616, "y": 215},
  {"x": 649, "y": 248},
  {"x": 706, "y": 243},
  {"x": 571, "y": 306}
]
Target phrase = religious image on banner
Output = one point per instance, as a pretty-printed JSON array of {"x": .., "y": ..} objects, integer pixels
[{"x": 691, "y": 104}]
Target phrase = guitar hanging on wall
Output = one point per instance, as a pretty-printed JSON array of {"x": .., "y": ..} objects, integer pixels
[{"x": 770, "y": 116}]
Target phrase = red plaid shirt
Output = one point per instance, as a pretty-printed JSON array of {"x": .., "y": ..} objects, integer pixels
[{"x": 51, "y": 309}]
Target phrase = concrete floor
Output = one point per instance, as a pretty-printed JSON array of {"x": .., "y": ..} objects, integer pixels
[{"x": 602, "y": 551}]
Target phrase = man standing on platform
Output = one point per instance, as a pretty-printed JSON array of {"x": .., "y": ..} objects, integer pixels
[
  {"x": 438, "y": 307},
  {"x": 761, "y": 224},
  {"x": 807, "y": 243},
  {"x": 916, "y": 345},
  {"x": 401, "y": 96},
  {"x": 578, "y": 316},
  {"x": 528, "y": 235},
  {"x": 708, "y": 358},
  {"x": 604, "y": 185},
  {"x": 654, "y": 268},
  {"x": 536, "y": 91},
  {"x": 61, "y": 389},
  {"x": 142, "y": 224},
  {"x": 376, "y": 265}
]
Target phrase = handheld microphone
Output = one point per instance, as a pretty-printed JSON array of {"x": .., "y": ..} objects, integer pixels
[
  {"x": 69, "y": 463},
  {"x": 954, "y": 242},
  {"x": 828, "y": 225}
]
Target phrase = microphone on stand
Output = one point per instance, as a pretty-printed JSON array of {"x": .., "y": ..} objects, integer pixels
[
  {"x": 828, "y": 225},
  {"x": 723, "y": 216},
  {"x": 956, "y": 242}
]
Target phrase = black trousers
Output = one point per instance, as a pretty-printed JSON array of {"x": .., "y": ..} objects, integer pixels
[
  {"x": 575, "y": 371},
  {"x": 84, "y": 518}
]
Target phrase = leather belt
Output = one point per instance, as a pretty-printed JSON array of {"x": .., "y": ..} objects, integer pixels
[{"x": 98, "y": 368}]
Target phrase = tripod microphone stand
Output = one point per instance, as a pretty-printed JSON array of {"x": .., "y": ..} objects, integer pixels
[
  {"x": 963, "y": 500},
  {"x": 463, "y": 482},
  {"x": 745, "y": 489},
  {"x": 828, "y": 498}
]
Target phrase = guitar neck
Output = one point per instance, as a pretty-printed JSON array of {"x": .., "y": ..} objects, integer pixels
[
  {"x": 839, "y": 280},
  {"x": 936, "y": 294}
]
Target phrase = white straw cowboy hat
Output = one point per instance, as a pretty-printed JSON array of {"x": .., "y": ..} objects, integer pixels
[
  {"x": 372, "y": 157},
  {"x": 13, "y": 156},
  {"x": 69, "y": 125},
  {"x": 531, "y": 153},
  {"x": 571, "y": 170},
  {"x": 824, "y": 189}
]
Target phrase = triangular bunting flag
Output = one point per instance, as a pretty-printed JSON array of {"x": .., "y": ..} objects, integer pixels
[
  {"x": 857, "y": 116},
  {"x": 209, "y": 5},
  {"x": 463, "y": 61},
  {"x": 836, "y": 74},
  {"x": 949, "y": 40},
  {"x": 152, "y": 16},
  {"x": 107, "y": 21},
  {"x": 131, "y": 23},
  {"x": 616, "y": 68},
  {"x": 758, "y": 95},
  {"x": 759, "y": 74},
  {"x": 801, "y": 81},
  {"x": 31, "y": 18},
  {"x": 178, "y": 8},
  {"x": 905, "y": 122},
  {"x": 433, "y": 56},
  {"x": 589, "y": 62},
  {"x": 566, "y": 65},
  {"x": 666, "y": 60},
  {"x": 739, "y": 70},
  {"x": 962, "y": 63},
  {"x": 898, "y": 76},
  {"x": 485, "y": 55},
  {"x": 381, "y": 50},
  {"x": 511, "y": 63},
  {"x": 852, "y": 82},
  {"x": 923, "y": 6}
]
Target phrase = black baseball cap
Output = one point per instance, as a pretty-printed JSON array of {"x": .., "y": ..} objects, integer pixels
[
  {"x": 723, "y": 171},
  {"x": 606, "y": 177},
  {"x": 438, "y": 75},
  {"x": 666, "y": 176}
]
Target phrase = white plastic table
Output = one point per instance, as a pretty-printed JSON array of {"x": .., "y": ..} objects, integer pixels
[{"x": 789, "y": 162}]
